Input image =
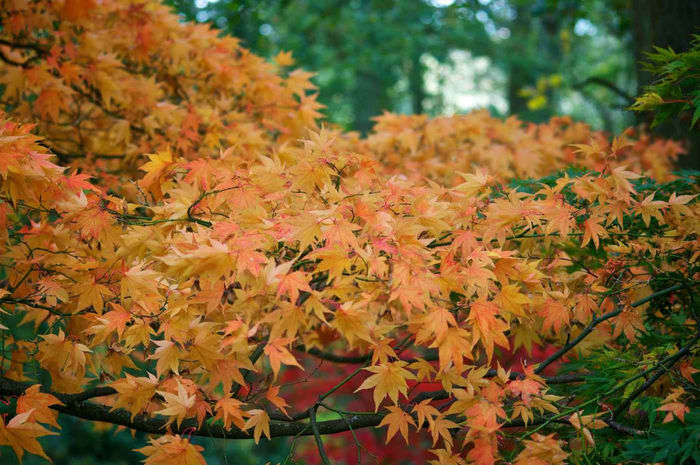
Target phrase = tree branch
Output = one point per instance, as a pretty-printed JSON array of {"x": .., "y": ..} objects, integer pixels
[
  {"x": 11, "y": 62},
  {"x": 33, "y": 47},
  {"x": 257, "y": 352},
  {"x": 617, "y": 426},
  {"x": 78, "y": 408},
  {"x": 596, "y": 321},
  {"x": 40, "y": 53},
  {"x": 317, "y": 436},
  {"x": 76, "y": 405},
  {"x": 331, "y": 357},
  {"x": 659, "y": 370},
  {"x": 604, "y": 83}
]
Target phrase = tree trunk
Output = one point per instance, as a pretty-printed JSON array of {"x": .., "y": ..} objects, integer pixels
[
  {"x": 518, "y": 75},
  {"x": 415, "y": 82},
  {"x": 668, "y": 23},
  {"x": 370, "y": 96}
]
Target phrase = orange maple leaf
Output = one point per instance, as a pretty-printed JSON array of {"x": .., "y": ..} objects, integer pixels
[
  {"x": 38, "y": 403},
  {"x": 674, "y": 406},
  {"x": 292, "y": 283},
  {"x": 488, "y": 328},
  {"x": 555, "y": 314},
  {"x": 229, "y": 411},
  {"x": 278, "y": 354},
  {"x": 20, "y": 433},
  {"x": 592, "y": 230},
  {"x": 397, "y": 420},
  {"x": 484, "y": 451},
  {"x": 172, "y": 450}
]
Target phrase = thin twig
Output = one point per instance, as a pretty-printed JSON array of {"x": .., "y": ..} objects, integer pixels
[
  {"x": 596, "y": 321},
  {"x": 317, "y": 436}
]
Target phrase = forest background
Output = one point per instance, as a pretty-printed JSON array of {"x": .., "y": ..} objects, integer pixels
[{"x": 531, "y": 58}]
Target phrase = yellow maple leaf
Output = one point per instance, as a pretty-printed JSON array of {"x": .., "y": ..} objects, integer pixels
[
  {"x": 440, "y": 428},
  {"x": 177, "y": 406},
  {"x": 168, "y": 355},
  {"x": 134, "y": 394},
  {"x": 20, "y": 433},
  {"x": 512, "y": 300},
  {"x": 157, "y": 170},
  {"x": 284, "y": 59},
  {"x": 389, "y": 379},
  {"x": 229, "y": 410},
  {"x": 453, "y": 347},
  {"x": 351, "y": 320},
  {"x": 260, "y": 421},
  {"x": 425, "y": 411},
  {"x": 172, "y": 450}
]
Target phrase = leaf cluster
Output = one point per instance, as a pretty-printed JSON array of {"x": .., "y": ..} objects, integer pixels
[
  {"x": 240, "y": 271},
  {"x": 677, "y": 88}
]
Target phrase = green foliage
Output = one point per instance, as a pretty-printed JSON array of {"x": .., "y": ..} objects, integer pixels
[
  {"x": 374, "y": 55},
  {"x": 677, "y": 90},
  {"x": 673, "y": 443},
  {"x": 367, "y": 54},
  {"x": 88, "y": 446},
  {"x": 617, "y": 373}
]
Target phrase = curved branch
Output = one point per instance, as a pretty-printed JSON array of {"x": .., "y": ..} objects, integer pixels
[
  {"x": 90, "y": 394},
  {"x": 659, "y": 370},
  {"x": 331, "y": 357},
  {"x": 11, "y": 62},
  {"x": 317, "y": 436},
  {"x": 604, "y": 83},
  {"x": 353, "y": 359},
  {"x": 596, "y": 321},
  {"x": 76, "y": 406},
  {"x": 36, "y": 48},
  {"x": 10, "y": 387},
  {"x": 617, "y": 426},
  {"x": 40, "y": 53}
]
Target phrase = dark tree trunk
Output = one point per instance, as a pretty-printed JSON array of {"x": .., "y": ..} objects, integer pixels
[
  {"x": 369, "y": 100},
  {"x": 518, "y": 72},
  {"x": 416, "y": 84},
  {"x": 551, "y": 47},
  {"x": 666, "y": 23}
]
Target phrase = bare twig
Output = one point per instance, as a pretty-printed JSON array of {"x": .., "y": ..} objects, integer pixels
[{"x": 317, "y": 436}]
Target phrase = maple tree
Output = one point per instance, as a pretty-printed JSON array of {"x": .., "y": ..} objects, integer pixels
[{"x": 188, "y": 244}]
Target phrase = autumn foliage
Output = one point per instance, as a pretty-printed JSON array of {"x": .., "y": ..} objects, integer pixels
[{"x": 188, "y": 251}]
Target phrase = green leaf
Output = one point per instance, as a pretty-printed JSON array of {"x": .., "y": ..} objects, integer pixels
[{"x": 696, "y": 116}]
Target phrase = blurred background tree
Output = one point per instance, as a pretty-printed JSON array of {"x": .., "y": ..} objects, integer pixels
[
  {"x": 369, "y": 55},
  {"x": 533, "y": 58}
]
